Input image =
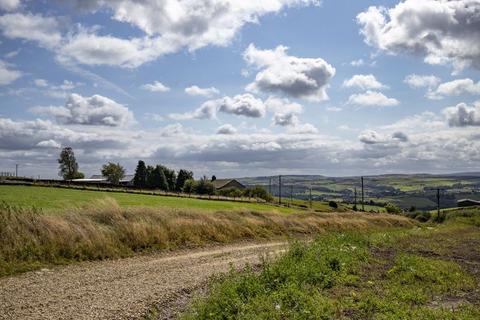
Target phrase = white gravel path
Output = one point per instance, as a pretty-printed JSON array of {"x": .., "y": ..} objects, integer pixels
[{"x": 121, "y": 289}]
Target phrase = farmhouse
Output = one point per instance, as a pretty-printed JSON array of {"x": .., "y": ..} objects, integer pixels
[
  {"x": 225, "y": 184},
  {"x": 467, "y": 203},
  {"x": 99, "y": 179}
]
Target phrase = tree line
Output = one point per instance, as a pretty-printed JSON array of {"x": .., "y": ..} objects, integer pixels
[{"x": 158, "y": 177}]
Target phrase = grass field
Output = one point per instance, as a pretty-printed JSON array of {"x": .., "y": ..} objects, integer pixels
[
  {"x": 57, "y": 199},
  {"x": 429, "y": 272}
]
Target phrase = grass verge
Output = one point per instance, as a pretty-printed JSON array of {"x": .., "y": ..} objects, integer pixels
[
  {"x": 401, "y": 274},
  {"x": 103, "y": 230}
]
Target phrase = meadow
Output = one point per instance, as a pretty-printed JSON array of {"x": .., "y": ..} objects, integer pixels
[
  {"x": 428, "y": 272},
  {"x": 57, "y": 199}
]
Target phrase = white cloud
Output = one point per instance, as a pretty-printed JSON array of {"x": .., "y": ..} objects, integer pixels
[
  {"x": 302, "y": 128},
  {"x": 364, "y": 82},
  {"x": 226, "y": 129},
  {"x": 95, "y": 110},
  {"x": 334, "y": 109},
  {"x": 172, "y": 130},
  {"x": 42, "y": 83},
  {"x": 439, "y": 31},
  {"x": 205, "y": 92},
  {"x": 43, "y": 30},
  {"x": 156, "y": 86},
  {"x": 285, "y": 119},
  {"x": 463, "y": 115},
  {"x": 278, "y": 105},
  {"x": 154, "y": 117},
  {"x": 305, "y": 78},
  {"x": 242, "y": 105},
  {"x": 421, "y": 81},
  {"x": 456, "y": 88},
  {"x": 49, "y": 144},
  {"x": 207, "y": 110},
  {"x": 9, "y": 5},
  {"x": 357, "y": 63},
  {"x": 372, "y": 99},
  {"x": 8, "y": 75}
]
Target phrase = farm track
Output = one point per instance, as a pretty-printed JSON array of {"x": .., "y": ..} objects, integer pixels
[{"x": 125, "y": 288}]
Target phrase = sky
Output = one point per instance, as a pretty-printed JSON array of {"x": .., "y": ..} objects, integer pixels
[{"x": 241, "y": 88}]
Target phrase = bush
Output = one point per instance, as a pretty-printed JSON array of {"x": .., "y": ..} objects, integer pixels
[
  {"x": 258, "y": 192},
  {"x": 333, "y": 204},
  {"x": 392, "y": 208},
  {"x": 423, "y": 216},
  {"x": 189, "y": 186},
  {"x": 204, "y": 186}
]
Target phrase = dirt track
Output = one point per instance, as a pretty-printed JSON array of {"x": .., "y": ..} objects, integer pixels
[{"x": 121, "y": 289}]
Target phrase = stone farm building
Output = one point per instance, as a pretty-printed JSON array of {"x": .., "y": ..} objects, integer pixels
[{"x": 225, "y": 184}]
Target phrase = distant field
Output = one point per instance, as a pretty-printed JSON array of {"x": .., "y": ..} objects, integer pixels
[{"x": 57, "y": 198}]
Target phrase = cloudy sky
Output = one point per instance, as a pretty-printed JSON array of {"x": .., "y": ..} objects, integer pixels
[{"x": 240, "y": 87}]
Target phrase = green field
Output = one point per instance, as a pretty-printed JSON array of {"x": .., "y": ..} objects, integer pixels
[{"x": 56, "y": 199}]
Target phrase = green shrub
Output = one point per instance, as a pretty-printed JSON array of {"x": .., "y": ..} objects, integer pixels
[
  {"x": 392, "y": 208},
  {"x": 333, "y": 204}
]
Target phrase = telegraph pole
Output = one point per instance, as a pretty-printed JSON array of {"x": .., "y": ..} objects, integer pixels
[
  {"x": 291, "y": 195},
  {"x": 16, "y": 170},
  {"x": 355, "y": 199},
  {"x": 363, "y": 198},
  {"x": 270, "y": 185},
  {"x": 310, "y": 197},
  {"x": 280, "y": 189},
  {"x": 438, "y": 203}
]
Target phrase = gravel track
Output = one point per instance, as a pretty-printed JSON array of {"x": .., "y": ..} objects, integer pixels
[{"x": 124, "y": 288}]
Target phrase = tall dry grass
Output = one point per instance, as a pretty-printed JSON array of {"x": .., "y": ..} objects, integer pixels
[{"x": 30, "y": 239}]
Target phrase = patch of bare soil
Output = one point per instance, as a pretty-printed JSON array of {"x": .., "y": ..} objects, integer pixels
[{"x": 125, "y": 288}]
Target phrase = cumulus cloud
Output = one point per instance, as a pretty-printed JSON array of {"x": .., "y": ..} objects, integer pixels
[
  {"x": 400, "y": 136},
  {"x": 242, "y": 105},
  {"x": 364, "y": 82},
  {"x": 7, "y": 74},
  {"x": 372, "y": 99},
  {"x": 167, "y": 27},
  {"x": 371, "y": 137},
  {"x": 42, "y": 83},
  {"x": 94, "y": 110},
  {"x": 50, "y": 143},
  {"x": 226, "y": 129},
  {"x": 456, "y": 88},
  {"x": 440, "y": 31},
  {"x": 37, "y": 28},
  {"x": 285, "y": 119},
  {"x": 207, "y": 110},
  {"x": 306, "y": 78},
  {"x": 463, "y": 115},
  {"x": 421, "y": 81},
  {"x": 205, "y": 92},
  {"x": 302, "y": 128},
  {"x": 9, "y": 5},
  {"x": 156, "y": 86}
]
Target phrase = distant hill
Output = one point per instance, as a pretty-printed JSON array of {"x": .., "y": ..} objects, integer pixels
[{"x": 405, "y": 190}]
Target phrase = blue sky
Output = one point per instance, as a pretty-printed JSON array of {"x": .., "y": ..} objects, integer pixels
[{"x": 281, "y": 86}]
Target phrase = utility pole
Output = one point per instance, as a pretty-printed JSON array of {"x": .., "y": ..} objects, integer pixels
[
  {"x": 438, "y": 203},
  {"x": 270, "y": 185},
  {"x": 355, "y": 201},
  {"x": 310, "y": 197},
  {"x": 363, "y": 198},
  {"x": 16, "y": 170},
  {"x": 280, "y": 189},
  {"x": 291, "y": 195}
]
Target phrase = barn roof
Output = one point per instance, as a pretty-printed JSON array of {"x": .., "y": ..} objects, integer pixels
[{"x": 220, "y": 183}]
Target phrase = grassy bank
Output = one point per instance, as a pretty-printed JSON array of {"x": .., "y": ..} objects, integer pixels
[
  {"x": 103, "y": 230},
  {"x": 422, "y": 273}
]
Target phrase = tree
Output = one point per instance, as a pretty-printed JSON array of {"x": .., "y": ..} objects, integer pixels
[
  {"x": 182, "y": 177},
  {"x": 68, "y": 165},
  {"x": 140, "y": 179},
  {"x": 171, "y": 177},
  {"x": 204, "y": 186},
  {"x": 214, "y": 178},
  {"x": 189, "y": 186},
  {"x": 161, "y": 179},
  {"x": 114, "y": 172}
]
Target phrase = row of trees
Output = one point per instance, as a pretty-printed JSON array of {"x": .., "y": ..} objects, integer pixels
[{"x": 160, "y": 177}]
